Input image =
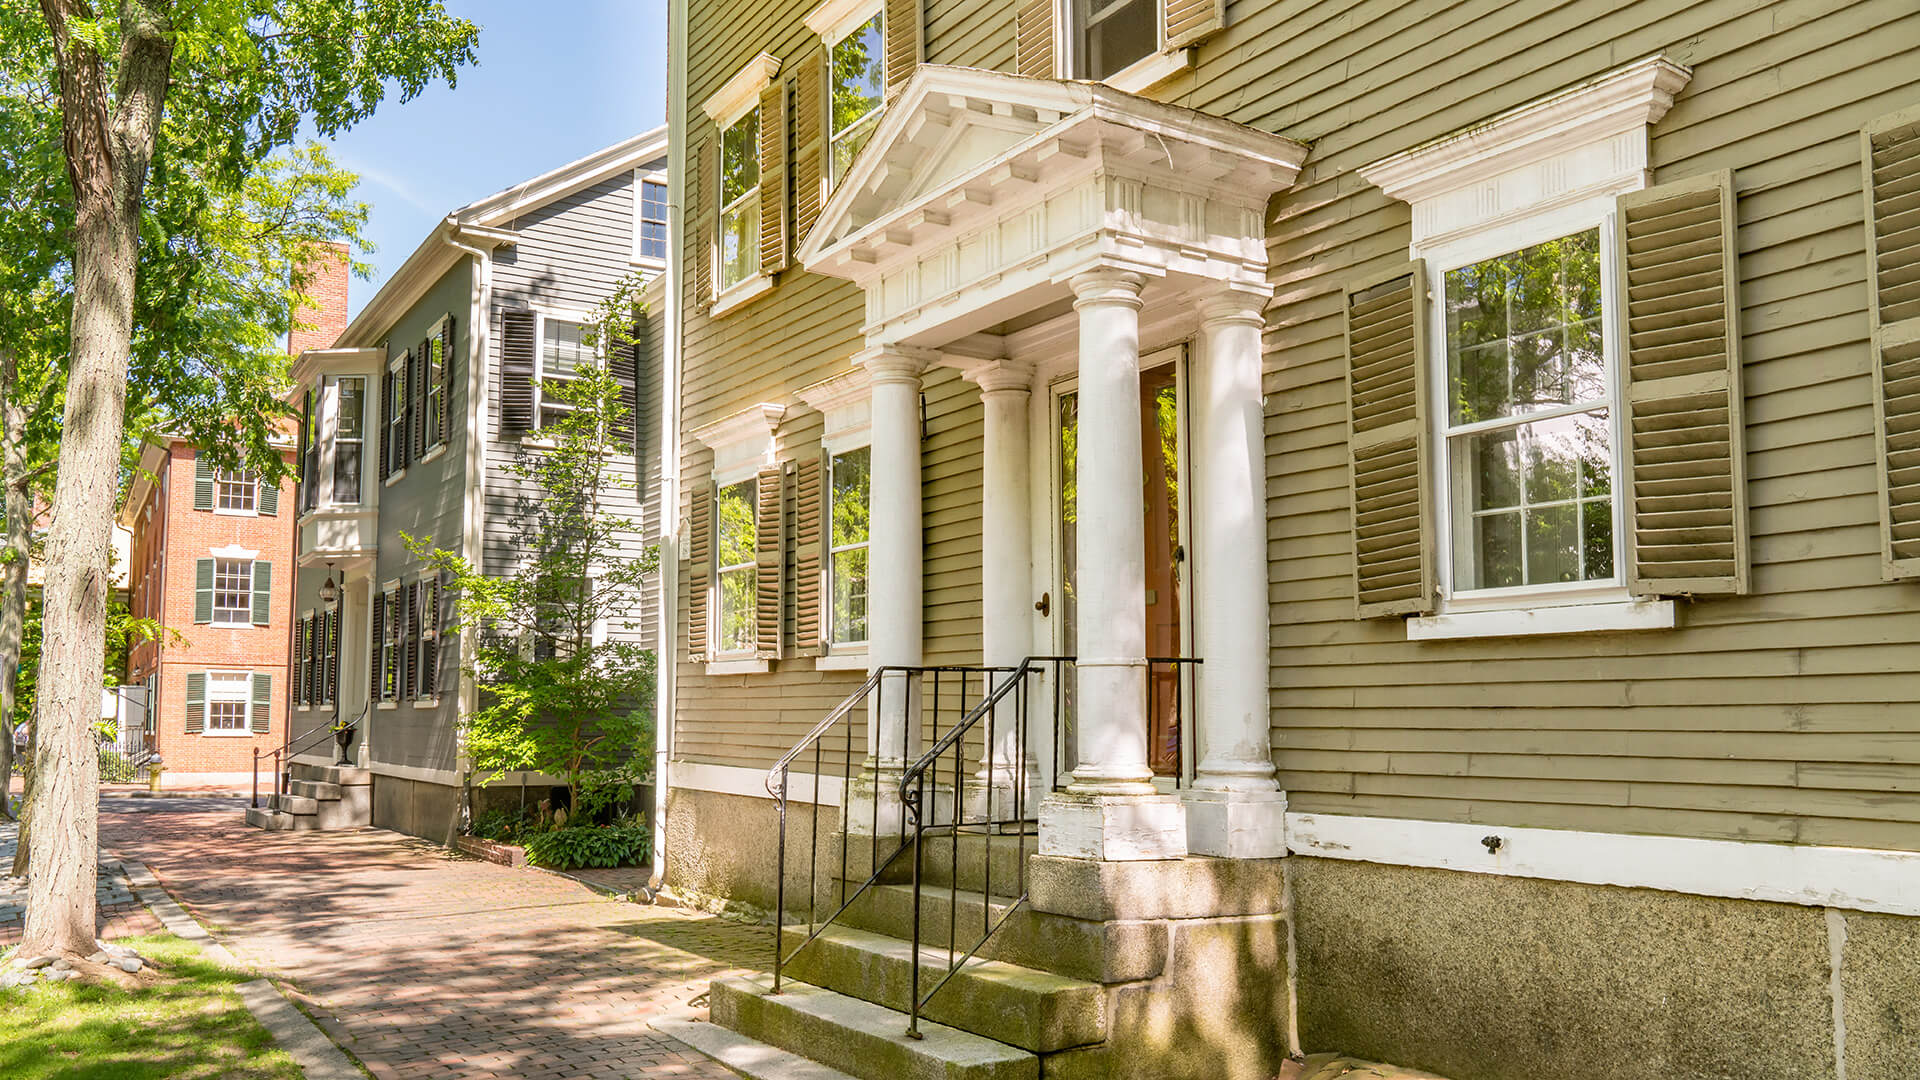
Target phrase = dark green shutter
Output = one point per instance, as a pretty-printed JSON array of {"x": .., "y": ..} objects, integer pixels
[
  {"x": 1890, "y": 160},
  {"x": 203, "y": 590},
  {"x": 374, "y": 653},
  {"x": 299, "y": 661},
  {"x": 262, "y": 592},
  {"x": 269, "y": 498},
  {"x": 386, "y": 424},
  {"x": 517, "y": 347},
  {"x": 261, "y": 716},
  {"x": 202, "y": 482},
  {"x": 196, "y": 702},
  {"x": 446, "y": 379},
  {"x": 422, "y": 374},
  {"x": 1393, "y": 565},
  {"x": 1686, "y": 506},
  {"x": 410, "y": 410}
]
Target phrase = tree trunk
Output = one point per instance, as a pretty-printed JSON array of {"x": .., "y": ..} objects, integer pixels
[
  {"x": 13, "y": 571},
  {"x": 109, "y": 145}
]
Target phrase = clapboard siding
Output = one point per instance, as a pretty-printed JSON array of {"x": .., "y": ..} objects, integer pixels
[
  {"x": 1791, "y": 714},
  {"x": 570, "y": 254}
]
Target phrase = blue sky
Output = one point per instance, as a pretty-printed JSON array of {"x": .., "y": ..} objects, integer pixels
[{"x": 556, "y": 80}]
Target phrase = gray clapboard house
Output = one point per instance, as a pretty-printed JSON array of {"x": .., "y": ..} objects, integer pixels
[{"x": 409, "y": 418}]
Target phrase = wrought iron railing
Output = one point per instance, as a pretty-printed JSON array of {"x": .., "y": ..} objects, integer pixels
[{"x": 283, "y": 757}]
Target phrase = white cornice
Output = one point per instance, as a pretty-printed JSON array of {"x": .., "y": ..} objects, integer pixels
[
  {"x": 835, "y": 19},
  {"x": 745, "y": 426},
  {"x": 532, "y": 194},
  {"x": 742, "y": 92},
  {"x": 1617, "y": 103},
  {"x": 842, "y": 390}
]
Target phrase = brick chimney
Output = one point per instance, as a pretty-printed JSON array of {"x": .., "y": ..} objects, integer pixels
[{"x": 327, "y": 319}]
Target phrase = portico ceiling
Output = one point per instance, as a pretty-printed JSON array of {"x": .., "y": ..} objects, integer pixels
[{"x": 980, "y": 193}]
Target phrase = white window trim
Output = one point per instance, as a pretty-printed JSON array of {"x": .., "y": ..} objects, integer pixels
[
  {"x": 828, "y": 549},
  {"x": 833, "y": 21},
  {"x": 729, "y": 296},
  {"x": 1143, "y": 74},
  {"x": 395, "y": 366},
  {"x": 1151, "y": 70},
  {"x": 738, "y": 295},
  {"x": 642, "y": 177},
  {"x": 436, "y": 387},
  {"x": 742, "y": 443},
  {"x": 714, "y": 613},
  {"x": 329, "y": 435},
  {"x": 742, "y": 91},
  {"x": 846, "y": 402},
  {"x": 246, "y": 729},
  {"x": 252, "y": 511},
  {"x": 1547, "y": 169},
  {"x": 739, "y": 96},
  {"x": 532, "y": 436}
]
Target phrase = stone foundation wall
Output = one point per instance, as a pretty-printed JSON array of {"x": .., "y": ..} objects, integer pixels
[
  {"x": 417, "y": 808},
  {"x": 726, "y": 847}
]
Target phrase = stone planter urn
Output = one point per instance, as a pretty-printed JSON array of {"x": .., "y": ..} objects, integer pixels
[{"x": 343, "y": 736}]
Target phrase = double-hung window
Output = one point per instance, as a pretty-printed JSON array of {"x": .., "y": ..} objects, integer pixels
[
  {"x": 349, "y": 437},
  {"x": 229, "y": 696},
  {"x": 436, "y": 389},
  {"x": 233, "y": 592},
  {"x": 235, "y": 491},
  {"x": 393, "y": 634},
  {"x": 1111, "y": 35},
  {"x": 1528, "y": 423},
  {"x": 397, "y": 399},
  {"x": 650, "y": 241},
  {"x": 563, "y": 349},
  {"x": 856, "y": 76},
  {"x": 849, "y": 487},
  {"x": 740, "y": 199},
  {"x": 736, "y": 574}
]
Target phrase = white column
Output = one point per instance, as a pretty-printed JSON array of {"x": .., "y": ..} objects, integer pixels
[
  {"x": 894, "y": 581},
  {"x": 1111, "y": 811},
  {"x": 1235, "y": 807},
  {"x": 1006, "y": 576}
]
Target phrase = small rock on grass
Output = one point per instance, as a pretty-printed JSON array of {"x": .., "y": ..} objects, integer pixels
[
  {"x": 38, "y": 962},
  {"x": 63, "y": 964},
  {"x": 128, "y": 964}
]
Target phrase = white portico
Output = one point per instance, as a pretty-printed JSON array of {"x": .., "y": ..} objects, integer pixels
[{"x": 1076, "y": 251}]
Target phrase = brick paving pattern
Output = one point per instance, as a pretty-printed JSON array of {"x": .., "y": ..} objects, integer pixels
[
  {"x": 121, "y": 914},
  {"x": 427, "y": 964}
]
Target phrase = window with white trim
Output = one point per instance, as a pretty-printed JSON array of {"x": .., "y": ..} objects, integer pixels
[
  {"x": 236, "y": 491},
  {"x": 1108, "y": 36},
  {"x": 740, "y": 199},
  {"x": 1527, "y": 428},
  {"x": 563, "y": 348},
  {"x": 397, "y": 398},
  {"x": 856, "y": 87},
  {"x": 229, "y": 696},
  {"x": 651, "y": 240},
  {"x": 349, "y": 436},
  {"x": 849, "y": 489},
  {"x": 233, "y": 592},
  {"x": 436, "y": 380},
  {"x": 736, "y": 576}
]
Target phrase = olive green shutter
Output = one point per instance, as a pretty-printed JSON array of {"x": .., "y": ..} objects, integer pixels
[
  {"x": 769, "y": 557},
  {"x": 809, "y": 142},
  {"x": 260, "y": 717},
  {"x": 300, "y": 639},
  {"x": 386, "y": 424},
  {"x": 699, "y": 569},
  {"x": 196, "y": 702},
  {"x": 517, "y": 347},
  {"x": 703, "y": 209},
  {"x": 809, "y": 506},
  {"x": 904, "y": 43},
  {"x": 1033, "y": 38},
  {"x": 1890, "y": 157},
  {"x": 202, "y": 482},
  {"x": 1190, "y": 21},
  {"x": 262, "y": 592},
  {"x": 203, "y": 590},
  {"x": 446, "y": 380},
  {"x": 773, "y": 177},
  {"x": 1686, "y": 487},
  {"x": 375, "y": 650},
  {"x": 419, "y": 365},
  {"x": 269, "y": 501},
  {"x": 1387, "y": 414}
]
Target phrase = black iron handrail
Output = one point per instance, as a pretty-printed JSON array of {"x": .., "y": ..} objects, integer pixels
[
  {"x": 779, "y": 781},
  {"x": 283, "y": 757}
]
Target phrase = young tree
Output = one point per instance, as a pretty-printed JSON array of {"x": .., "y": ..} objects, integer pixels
[
  {"x": 559, "y": 694},
  {"x": 237, "y": 75}
]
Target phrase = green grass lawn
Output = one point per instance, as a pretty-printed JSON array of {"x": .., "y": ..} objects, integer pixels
[{"x": 190, "y": 1028}]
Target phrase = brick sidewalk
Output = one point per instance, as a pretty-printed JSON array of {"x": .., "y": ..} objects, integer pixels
[
  {"x": 121, "y": 914},
  {"x": 427, "y": 964}
]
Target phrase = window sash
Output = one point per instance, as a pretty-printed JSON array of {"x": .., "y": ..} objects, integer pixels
[
  {"x": 841, "y": 621},
  {"x": 229, "y": 697},
  {"x": 396, "y": 441},
  {"x": 653, "y": 219},
  {"x": 736, "y": 584},
  {"x": 235, "y": 490},
  {"x": 546, "y": 367},
  {"x": 346, "y": 452},
  {"x": 233, "y": 591}
]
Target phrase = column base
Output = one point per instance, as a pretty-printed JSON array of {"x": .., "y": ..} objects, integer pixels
[
  {"x": 1001, "y": 800},
  {"x": 875, "y": 808},
  {"x": 1113, "y": 828},
  {"x": 1236, "y": 824}
]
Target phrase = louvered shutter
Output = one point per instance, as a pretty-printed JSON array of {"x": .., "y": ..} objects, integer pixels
[
  {"x": 1387, "y": 438},
  {"x": 196, "y": 702},
  {"x": 1191, "y": 21},
  {"x": 262, "y": 592},
  {"x": 430, "y": 621},
  {"x": 386, "y": 425},
  {"x": 374, "y": 651},
  {"x": 624, "y": 366},
  {"x": 773, "y": 177},
  {"x": 1034, "y": 38},
  {"x": 260, "y": 717},
  {"x": 1890, "y": 159},
  {"x": 203, "y": 590},
  {"x": 699, "y": 569},
  {"x": 300, "y": 638},
  {"x": 269, "y": 499},
  {"x": 517, "y": 346},
  {"x": 809, "y": 142},
  {"x": 410, "y": 640},
  {"x": 446, "y": 381},
  {"x": 769, "y": 557},
  {"x": 333, "y": 656},
  {"x": 303, "y": 484},
  {"x": 1686, "y": 493},
  {"x": 905, "y": 42},
  {"x": 703, "y": 208},
  {"x": 416, "y": 407},
  {"x": 202, "y": 482},
  {"x": 809, "y": 527}
]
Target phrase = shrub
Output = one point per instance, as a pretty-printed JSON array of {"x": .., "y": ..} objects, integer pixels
[
  {"x": 592, "y": 845},
  {"x": 508, "y": 826}
]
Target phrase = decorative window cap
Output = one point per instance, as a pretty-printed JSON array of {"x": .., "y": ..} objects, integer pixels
[
  {"x": 742, "y": 92},
  {"x": 233, "y": 551},
  {"x": 1619, "y": 102},
  {"x": 743, "y": 435},
  {"x": 835, "y": 19},
  {"x": 837, "y": 393}
]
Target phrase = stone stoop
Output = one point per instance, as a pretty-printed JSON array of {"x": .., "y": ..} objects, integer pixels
[{"x": 319, "y": 797}]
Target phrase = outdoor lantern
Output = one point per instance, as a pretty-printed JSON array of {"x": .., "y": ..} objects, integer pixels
[{"x": 329, "y": 592}]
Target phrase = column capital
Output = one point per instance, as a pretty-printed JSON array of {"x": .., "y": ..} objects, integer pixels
[
  {"x": 1107, "y": 285},
  {"x": 895, "y": 363},
  {"x": 1235, "y": 304},
  {"x": 1000, "y": 376}
]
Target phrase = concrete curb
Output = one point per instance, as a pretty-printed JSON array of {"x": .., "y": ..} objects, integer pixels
[
  {"x": 316, "y": 1054},
  {"x": 750, "y": 1058}
]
